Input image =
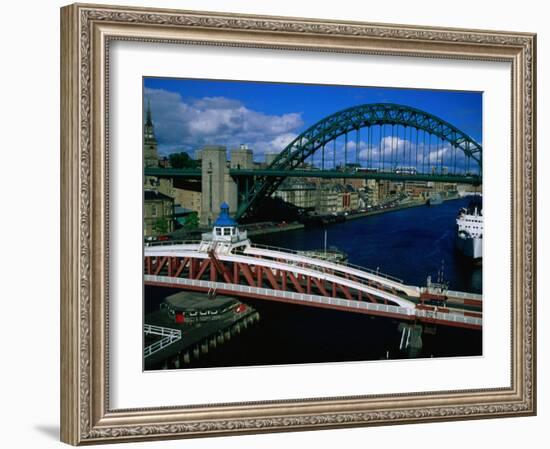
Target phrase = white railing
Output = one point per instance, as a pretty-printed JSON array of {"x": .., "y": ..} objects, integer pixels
[
  {"x": 306, "y": 298},
  {"x": 325, "y": 268},
  {"x": 346, "y": 265},
  {"x": 454, "y": 317},
  {"x": 302, "y": 297},
  {"x": 464, "y": 295},
  {"x": 170, "y": 336},
  {"x": 173, "y": 242},
  {"x": 319, "y": 273}
]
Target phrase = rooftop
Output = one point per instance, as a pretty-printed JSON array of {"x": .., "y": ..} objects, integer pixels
[
  {"x": 224, "y": 219},
  {"x": 182, "y": 210},
  {"x": 190, "y": 301},
  {"x": 151, "y": 195}
]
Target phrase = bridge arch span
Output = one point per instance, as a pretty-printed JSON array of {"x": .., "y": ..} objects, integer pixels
[{"x": 352, "y": 119}]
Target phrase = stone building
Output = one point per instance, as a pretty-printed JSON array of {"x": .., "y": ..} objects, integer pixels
[
  {"x": 372, "y": 192},
  {"x": 166, "y": 186},
  {"x": 158, "y": 211},
  {"x": 336, "y": 198},
  {"x": 298, "y": 192},
  {"x": 388, "y": 189},
  {"x": 446, "y": 189},
  {"x": 350, "y": 198},
  {"x": 357, "y": 183},
  {"x": 189, "y": 197},
  {"x": 418, "y": 190},
  {"x": 242, "y": 157},
  {"x": 329, "y": 199}
]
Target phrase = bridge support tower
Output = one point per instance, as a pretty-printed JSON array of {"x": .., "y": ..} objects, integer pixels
[{"x": 217, "y": 185}]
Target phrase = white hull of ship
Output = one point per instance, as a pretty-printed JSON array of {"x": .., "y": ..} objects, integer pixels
[{"x": 470, "y": 247}]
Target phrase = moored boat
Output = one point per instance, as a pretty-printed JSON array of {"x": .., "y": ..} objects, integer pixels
[{"x": 469, "y": 234}]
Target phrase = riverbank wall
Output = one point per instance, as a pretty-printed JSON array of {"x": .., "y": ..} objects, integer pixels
[{"x": 294, "y": 226}]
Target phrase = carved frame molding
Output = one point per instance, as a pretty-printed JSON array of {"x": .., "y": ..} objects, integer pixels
[{"x": 87, "y": 32}]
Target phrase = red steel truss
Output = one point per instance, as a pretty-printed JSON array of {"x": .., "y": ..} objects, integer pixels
[{"x": 275, "y": 280}]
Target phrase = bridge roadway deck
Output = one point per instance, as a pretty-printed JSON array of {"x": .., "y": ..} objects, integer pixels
[
  {"x": 405, "y": 308},
  {"x": 195, "y": 173}
]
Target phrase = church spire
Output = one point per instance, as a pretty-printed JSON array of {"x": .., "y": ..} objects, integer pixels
[
  {"x": 149, "y": 129},
  {"x": 149, "y": 122},
  {"x": 149, "y": 141}
]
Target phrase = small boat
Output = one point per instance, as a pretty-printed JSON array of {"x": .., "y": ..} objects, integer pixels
[
  {"x": 330, "y": 254},
  {"x": 434, "y": 199}
]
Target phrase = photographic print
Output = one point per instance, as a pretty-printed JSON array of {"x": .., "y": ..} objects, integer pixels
[{"x": 299, "y": 223}]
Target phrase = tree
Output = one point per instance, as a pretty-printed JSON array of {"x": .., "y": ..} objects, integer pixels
[
  {"x": 161, "y": 226},
  {"x": 191, "y": 221},
  {"x": 181, "y": 160}
]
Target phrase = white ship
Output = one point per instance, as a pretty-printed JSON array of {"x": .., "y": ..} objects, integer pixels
[{"x": 469, "y": 237}]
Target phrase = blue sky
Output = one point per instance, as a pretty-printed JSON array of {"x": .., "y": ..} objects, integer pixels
[{"x": 266, "y": 116}]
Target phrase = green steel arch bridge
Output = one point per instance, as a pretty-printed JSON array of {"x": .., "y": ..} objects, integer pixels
[{"x": 383, "y": 141}]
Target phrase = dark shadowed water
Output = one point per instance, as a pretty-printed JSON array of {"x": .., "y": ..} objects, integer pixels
[{"x": 409, "y": 244}]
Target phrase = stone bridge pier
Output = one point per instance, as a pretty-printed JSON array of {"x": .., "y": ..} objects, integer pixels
[{"x": 217, "y": 184}]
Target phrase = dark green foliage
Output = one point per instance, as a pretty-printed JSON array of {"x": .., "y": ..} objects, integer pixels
[{"x": 182, "y": 160}]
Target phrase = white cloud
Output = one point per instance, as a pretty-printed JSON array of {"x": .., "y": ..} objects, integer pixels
[
  {"x": 405, "y": 152},
  {"x": 189, "y": 124},
  {"x": 279, "y": 142}
]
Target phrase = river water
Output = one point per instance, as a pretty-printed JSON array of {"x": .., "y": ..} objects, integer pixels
[{"x": 410, "y": 244}]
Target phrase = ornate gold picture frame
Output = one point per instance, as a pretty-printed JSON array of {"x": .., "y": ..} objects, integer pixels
[{"x": 87, "y": 33}]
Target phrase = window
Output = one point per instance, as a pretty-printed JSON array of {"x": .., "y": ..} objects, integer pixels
[
  {"x": 218, "y": 231},
  {"x": 153, "y": 210},
  {"x": 227, "y": 231}
]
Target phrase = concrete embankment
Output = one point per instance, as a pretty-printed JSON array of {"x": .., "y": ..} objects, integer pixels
[
  {"x": 385, "y": 211},
  {"x": 275, "y": 229},
  {"x": 294, "y": 226},
  {"x": 395, "y": 208}
]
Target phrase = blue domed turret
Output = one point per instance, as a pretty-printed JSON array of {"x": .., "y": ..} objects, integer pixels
[
  {"x": 225, "y": 228},
  {"x": 224, "y": 219},
  {"x": 225, "y": 235}
]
